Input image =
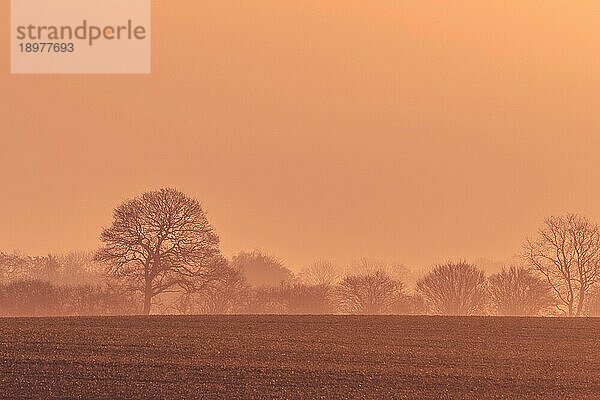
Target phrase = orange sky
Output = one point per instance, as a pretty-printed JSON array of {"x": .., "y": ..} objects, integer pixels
[{"x": 414, "y": 131}]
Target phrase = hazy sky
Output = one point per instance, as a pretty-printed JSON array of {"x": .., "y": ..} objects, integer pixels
[{"x": 414, "y": 131}]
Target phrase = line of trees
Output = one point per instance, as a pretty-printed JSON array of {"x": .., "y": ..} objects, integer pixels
[{"x": 161, "y": 255}]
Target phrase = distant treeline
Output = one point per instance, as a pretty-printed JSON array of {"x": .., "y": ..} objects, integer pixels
[
  {"x": 161, "y": 255},
  {"x": 257, "y": 283}
]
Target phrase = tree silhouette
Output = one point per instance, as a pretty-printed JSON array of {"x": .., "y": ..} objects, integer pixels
[
  {"x": 161, "y": 242},
  {"x": 261, "y": 269},
  {"x": 516, "y": 291},
  {"x": 566, "y": 251},
  {"x": 227, "y": 295},
  {"x": 13, "y": 265},
  {"x": 373, "y": 293},
  {"x": 454, "y": 289},
  {"x": 320, "y": 272}
]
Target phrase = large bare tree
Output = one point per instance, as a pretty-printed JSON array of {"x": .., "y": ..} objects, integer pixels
[
  {"x": 516, "y": 291},
  {"x": 566, "y": 251},
  {"x": 454, "y": 289},
  {"x": 161, "y": 242}
]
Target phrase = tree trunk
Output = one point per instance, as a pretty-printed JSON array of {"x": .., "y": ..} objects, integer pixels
[
  {"x": 147, "y": 301},
  {"x": 581, "y": 301}
]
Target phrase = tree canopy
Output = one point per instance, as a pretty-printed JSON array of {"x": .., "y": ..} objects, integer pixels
[{"x": 161, "y": 242}]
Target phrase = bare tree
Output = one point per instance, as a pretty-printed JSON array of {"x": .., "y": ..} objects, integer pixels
[
  {"x": 267, "y": 300},
  {"x": 18, "y": 266},
  {"x": 13, "y": 266},
  {"x": 516, "y": 291},
  {"x": 592, "y": 306},
  {"x": 567, "y": 252},
  {"x": 161, "y": 242},
  {"x": 301, "y": 298},
  {"x": 366, "y": 266},
  {"x": 320, "y": 272},
  {"x": 454, "y": 289},
  {"x": 78, "y": 267},
  {"x": 227, "y": 295},
  {"x": 261, "y": 269},
  {"x": 372, "y": 293}
]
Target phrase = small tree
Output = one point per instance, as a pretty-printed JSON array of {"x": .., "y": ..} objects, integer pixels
[
  {"x": 227, "y": 295},
  {"x": 13, "y": 266},
  {"x": 320, "y": 272},
  {"x": 374, "y": 293},
  {"x": 161, "y": 242},
  {"x": 78, "y": 268},
  {"x": 454, "y": 289},
  {"x": 566, "y": 251},
  {"x": 301, "y": 298},
  {"x": 516, "y": 291},
  {"x": 266, "y": 300},
  {"x": 261, "y": 269}
]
